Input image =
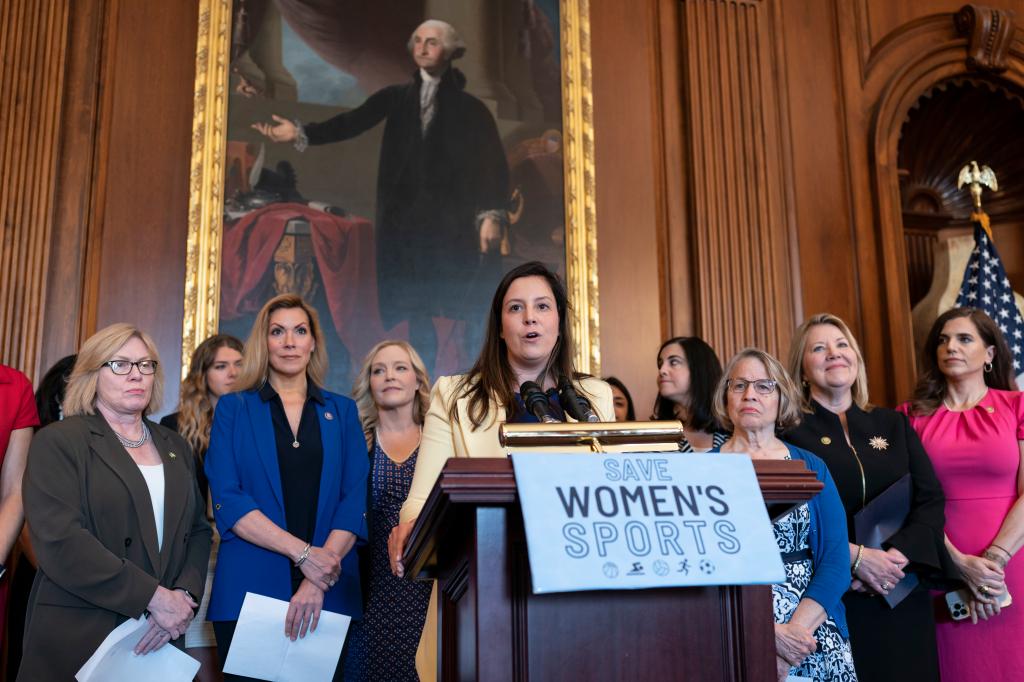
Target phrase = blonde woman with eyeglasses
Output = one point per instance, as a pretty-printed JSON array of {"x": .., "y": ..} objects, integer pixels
[
  {"x": 757, "y": 400},
  {"x": 114, "y": 514}
]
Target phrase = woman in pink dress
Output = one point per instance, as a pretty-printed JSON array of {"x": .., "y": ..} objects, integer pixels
[{"x": 971, "y": 420}]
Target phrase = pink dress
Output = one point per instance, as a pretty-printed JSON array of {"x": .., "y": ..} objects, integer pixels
[{"x": 976, "y": 455}]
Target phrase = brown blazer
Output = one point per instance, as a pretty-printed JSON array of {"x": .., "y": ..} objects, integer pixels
[{"x": 92, "y": 527}]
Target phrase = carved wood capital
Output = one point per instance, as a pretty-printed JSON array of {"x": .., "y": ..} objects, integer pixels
[{"x": 989, "y": 33}]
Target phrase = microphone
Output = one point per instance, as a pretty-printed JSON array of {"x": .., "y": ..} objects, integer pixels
[
  {"x": 536, "y": 402},
  {"x": 574, "y": 404}
]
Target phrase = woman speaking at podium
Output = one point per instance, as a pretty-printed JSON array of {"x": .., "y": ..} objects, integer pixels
[{"x": 528, "y": 338}]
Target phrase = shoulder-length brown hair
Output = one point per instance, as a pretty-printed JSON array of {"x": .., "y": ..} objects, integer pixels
[
  {"x": 80, "y": 396},
  {"x": 798, "y": 346},
  {"x": 931, "y": 384},
  {"x": 789, "y": 397},
  {"x": 256, "y": 356},
  {"x": 195, "y": 409},
  {"x": 491, "y": 382},
  {"x": 361, "y": 393}
]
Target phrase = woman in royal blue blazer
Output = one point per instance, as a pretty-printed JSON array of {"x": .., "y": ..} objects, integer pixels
[{"x": 287, "y": 468}]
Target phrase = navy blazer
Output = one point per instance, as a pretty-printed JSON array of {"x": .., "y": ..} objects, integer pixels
[{"x": 244, "y": 475}]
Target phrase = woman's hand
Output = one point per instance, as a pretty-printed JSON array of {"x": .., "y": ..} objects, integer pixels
[
  {"x": 782, "y": 667},
  {"x": 794, "y": 642},
  {"x": 396, "y": 546},
  {"x": 171, "y": 610},
  {"x": 321, "y": 567},
  {"x": 303, "y": 610},
  {"x": 154, "y": 639},
  {"x": 983, "y": 609},
  {"x": 880, "y": 571},
  {"x": 984, "y": 576}
]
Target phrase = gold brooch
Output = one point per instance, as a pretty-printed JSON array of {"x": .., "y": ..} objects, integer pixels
[
  {"x": 825, "y": 440},
  {"x": 328, "y": 416},
  {"x": 173, "y": 456},
  {"x": 879, "y": 443}
]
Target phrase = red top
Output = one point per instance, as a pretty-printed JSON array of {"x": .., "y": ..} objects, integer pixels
[
  {"x": 17, "y": 411},
  {"x": 17, "y": 405}
]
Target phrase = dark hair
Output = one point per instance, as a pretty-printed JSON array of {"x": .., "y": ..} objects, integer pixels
[
  {"x": 630, "y": 412},
  {"x": 50, "y": 393},
  {"x": 491, "y": 378},
  {"x": 931, "y": 384},
  {"x": 705, "y": 372}
]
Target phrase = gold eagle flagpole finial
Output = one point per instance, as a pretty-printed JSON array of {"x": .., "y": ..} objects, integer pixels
[{"x": 976, "y": 178}]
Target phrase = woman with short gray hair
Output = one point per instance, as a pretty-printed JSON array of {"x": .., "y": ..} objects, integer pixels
[{"x": 757, "y": 399}]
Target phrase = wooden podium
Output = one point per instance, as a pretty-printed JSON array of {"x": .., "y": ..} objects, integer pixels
[{"x": 469, "y": 536}]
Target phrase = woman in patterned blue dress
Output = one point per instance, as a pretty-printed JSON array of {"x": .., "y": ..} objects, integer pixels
[
  {"x": 393, "y": 393},
  {"x": 757, "y": 399}
]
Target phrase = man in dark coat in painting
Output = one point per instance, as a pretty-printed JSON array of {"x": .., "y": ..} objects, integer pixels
[{"x": 441, "y": 164}]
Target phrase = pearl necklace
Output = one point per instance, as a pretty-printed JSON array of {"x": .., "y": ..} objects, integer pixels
[{"x": 134, "y": 443}]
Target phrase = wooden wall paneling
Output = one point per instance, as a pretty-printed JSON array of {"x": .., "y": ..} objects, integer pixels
[
  {"x": 740, "y": 220},
  {"x": 904, "y": 65},
  {"x": 74, "y": 206},
  {"x": 887, "y": 16},
  {"x": 628, "y": 160},
  {"x": 818, "y": 148},
  {"x": 33, "y": 39},
  {"x": 675, "y": 254},
  {"x": 144, "y": 193}
]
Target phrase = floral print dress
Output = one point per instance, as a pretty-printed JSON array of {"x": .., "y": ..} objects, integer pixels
[{"x": 832, "y": 661}]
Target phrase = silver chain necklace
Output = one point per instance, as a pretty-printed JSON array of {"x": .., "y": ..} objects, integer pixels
[{"x": 134, "y": 443}]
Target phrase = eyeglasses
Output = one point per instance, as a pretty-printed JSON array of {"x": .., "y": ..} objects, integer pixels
[
  {"x": 762, "y": 386},
  {"x": 122, "y": 367}
]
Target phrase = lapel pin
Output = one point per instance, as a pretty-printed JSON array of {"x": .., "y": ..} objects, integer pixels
[
  {"x": 328, "y": 416},
  {"x": 879, "y": 443},
  {"x": 990, "y": 409},
  {"x": 173, "y": 456},
  {"x": 825, "y": 440}
]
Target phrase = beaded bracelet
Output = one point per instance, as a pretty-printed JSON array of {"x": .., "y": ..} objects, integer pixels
[
  {"x": 856, "y": 563},
  {"x": 304, "y": 555}
]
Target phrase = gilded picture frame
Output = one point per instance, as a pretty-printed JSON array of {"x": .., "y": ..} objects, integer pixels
[{"x": 207, "y": 179}]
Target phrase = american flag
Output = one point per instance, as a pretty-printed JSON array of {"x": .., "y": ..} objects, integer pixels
[{"x": 987, "y": 287}]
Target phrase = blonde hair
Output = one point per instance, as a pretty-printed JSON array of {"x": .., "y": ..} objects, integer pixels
[
  {"x": 798, "y": 346},
  {"x": 256, "y": 356},
  {"x": 789, "y": 397},
  {"x": 195, "y": 409},
  {"x": 363, "y": 396},
  {"x": 80, "y": 396}
]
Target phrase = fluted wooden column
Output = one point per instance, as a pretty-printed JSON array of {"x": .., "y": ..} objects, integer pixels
[
  {"x": 742, "y": 237},
  {"x": 33, "y": 44}
]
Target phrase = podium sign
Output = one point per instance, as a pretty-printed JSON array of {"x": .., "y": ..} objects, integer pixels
[{"x": 631, "y": 521}]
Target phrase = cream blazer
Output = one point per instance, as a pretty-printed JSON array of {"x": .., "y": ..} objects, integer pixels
[{"x": 443, "y": 439}]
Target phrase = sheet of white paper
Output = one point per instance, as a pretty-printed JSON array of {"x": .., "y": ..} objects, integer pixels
[
  {"x": 260, "y": 649},
  {"x": 115, "y": 659}
]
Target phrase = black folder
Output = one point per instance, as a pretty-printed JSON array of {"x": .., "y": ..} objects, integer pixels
[{"x": 879, "y": 520}]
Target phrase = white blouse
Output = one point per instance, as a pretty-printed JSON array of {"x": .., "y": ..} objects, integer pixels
[{"x": 154, "y": 475}]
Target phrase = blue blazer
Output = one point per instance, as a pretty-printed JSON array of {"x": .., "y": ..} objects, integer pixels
[{"x": 244, "y": 475}]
